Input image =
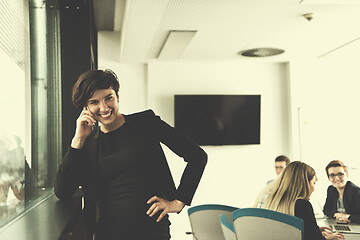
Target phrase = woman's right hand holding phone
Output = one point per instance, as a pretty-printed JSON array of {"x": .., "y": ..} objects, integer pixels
[{"x": 84, "y": 125}]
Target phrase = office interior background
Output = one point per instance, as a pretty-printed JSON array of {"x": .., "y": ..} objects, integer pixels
[{"x": 159, "y": 48}]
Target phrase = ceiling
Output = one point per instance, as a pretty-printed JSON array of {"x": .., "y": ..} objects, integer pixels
[{"x": 222, "y": 28}]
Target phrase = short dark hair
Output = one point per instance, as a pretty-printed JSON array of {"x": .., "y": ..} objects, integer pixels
[
  {"x": 335, "y": 163},
  {"x": 282, "y": 158},
  {"x": 90, "y": 81}
]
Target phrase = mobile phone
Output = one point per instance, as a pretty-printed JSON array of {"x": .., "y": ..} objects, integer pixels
[
  {"x": 342, "y": 221},
  {"x": 87, "y": 107}
]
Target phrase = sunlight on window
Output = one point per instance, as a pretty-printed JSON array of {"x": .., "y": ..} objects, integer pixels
[
  {"x": 12, "y": 95},
  {"x": 12, "y": 137}
]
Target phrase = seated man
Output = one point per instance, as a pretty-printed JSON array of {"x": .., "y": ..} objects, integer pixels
[{"x": 281, "y": 162}]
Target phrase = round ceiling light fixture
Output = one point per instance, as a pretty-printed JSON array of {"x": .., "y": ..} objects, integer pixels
[{"x": 261, "y": 52}]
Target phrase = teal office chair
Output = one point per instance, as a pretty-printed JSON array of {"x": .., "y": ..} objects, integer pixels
[
  {"x": 205, "y": 223},
  {"x": 258, "y": 223},
  {"x": 227, "y": 227}
]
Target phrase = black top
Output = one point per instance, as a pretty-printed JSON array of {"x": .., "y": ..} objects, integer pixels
[
  {"x": 351, "y": 200},
  {"x": 79, "y": 167},
  {"x": 305, "y": 211},
  {"x": 125, "y": 188}
]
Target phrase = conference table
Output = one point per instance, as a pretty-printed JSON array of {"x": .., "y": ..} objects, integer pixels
[{"x": 325, "y": 222}]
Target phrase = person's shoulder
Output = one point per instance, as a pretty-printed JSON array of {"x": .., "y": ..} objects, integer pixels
[
  {"x": 145, "y": 120},
  {"x": 352, "y": 186},
  {"x": 147, "y": 112},
  {"x": 303, "y": 203},
  {"x": 331, "y": 189},
  {"x": 269, "y": 181},
  {"x": 140, "y": 115}
]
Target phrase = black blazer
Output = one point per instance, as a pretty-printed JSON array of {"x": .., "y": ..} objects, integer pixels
[
  {"x": 79, "y": 166},
  {"x": 351, "y": 200}
]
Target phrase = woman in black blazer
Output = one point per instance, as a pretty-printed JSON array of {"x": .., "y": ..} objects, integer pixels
[
  {"x": 343, "y": 196},
  {"x": 127, "y": 184}
]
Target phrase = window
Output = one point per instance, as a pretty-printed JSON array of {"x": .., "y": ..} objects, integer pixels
[{"x": 30, "y": 139}]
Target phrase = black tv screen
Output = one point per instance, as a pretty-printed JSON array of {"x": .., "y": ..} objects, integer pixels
[{"x": 219, "y": 119}]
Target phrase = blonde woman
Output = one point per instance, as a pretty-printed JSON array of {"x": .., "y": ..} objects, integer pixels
[{"x": 291, "y": 196}]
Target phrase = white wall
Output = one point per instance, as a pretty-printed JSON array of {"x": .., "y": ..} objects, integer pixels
[
  {"x": 326, "y": 90},
  {"x": 234, "y": 174},
  {"x": 132, "y": 77},
  {"x": 327, "y": 93}
]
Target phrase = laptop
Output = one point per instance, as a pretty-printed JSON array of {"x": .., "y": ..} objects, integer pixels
[{"x": 349, "y": 228}]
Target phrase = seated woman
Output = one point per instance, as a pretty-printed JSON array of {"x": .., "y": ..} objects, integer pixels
[
  {"x": 291, "y": 196},
  {"x": 343, "y": 196}
]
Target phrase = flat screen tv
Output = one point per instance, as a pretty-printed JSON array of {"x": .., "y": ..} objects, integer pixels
[{"x": 219, "y": 119}]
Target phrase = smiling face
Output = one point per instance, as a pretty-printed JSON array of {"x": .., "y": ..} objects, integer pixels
[
  {"x": 337, "y": 177},
  {"x": 104, "y": 104}
]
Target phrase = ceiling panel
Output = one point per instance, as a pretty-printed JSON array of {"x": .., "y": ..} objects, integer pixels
[{"x": 226, "y": 27}]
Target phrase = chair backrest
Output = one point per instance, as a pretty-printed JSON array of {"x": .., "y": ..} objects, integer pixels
[
  {"x": 258, "y": 223},
  {"x": 227, "y": 227},
  {"x": 205, "y": 223}
]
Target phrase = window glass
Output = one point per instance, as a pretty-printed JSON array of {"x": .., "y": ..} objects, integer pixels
[
  {"x": 30, "y": 139},
  {"x": 13, "y": 141},
  {"x": 12, "y": 137}
]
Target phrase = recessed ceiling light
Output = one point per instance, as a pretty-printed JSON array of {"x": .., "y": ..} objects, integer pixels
[{"x": 261, "y": 52}]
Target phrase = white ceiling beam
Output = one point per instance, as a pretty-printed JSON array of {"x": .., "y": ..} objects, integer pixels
[
  {"x": 119, "y": 14},
  {"x": 175, "y": 43},
  {"x": 140, "y": 23}
]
